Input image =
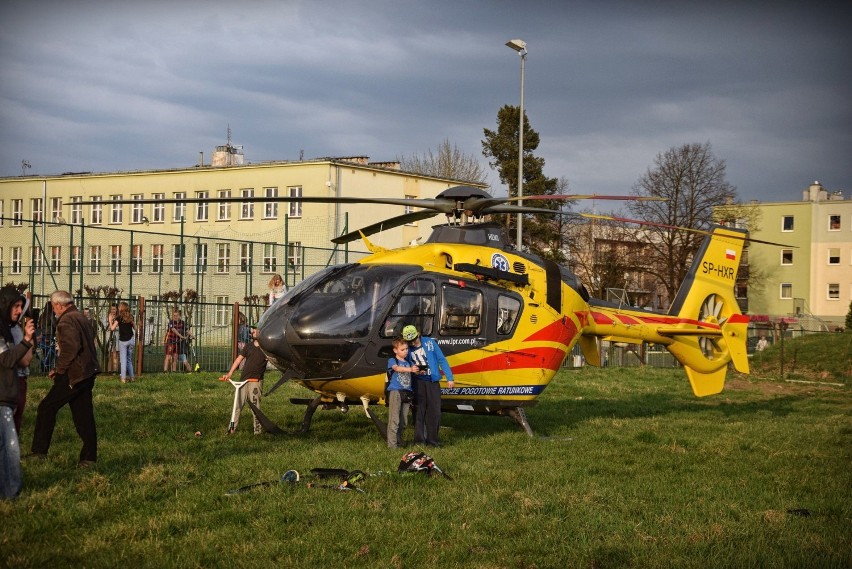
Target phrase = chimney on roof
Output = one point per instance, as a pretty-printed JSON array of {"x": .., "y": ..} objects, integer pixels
[{"x": 815, "y": 193}]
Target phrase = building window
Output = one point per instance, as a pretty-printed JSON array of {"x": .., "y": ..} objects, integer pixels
[
  {"x": 2, "y": 221},
  {"x": 17, "y": 213},
  {"x": 178, "y": 251},
  {"x": 786, "y": 291},
  {"x": 294, "y": 256},
  {"x": 224, "y": 213},
  {"x": 786, "y": 256},
  {"x": 158, "y": 211},
  {"x": 247, "y": 208},
  {"x": 97, "y": 211},
  {"x": 17, "y": 260},
  {"x": 270, "y": 264},
  {"x": 117, "y": 211},
  {"x": 156, "y": 259},
  {"x": 295, "y": 207},
  {"x": 55, "y": 258},
  {"x": 56, "y": 209},
  {"x": 787, "y": 223},
  {"x": 834, "y": 222},
  {"x": 1, "y": 261},
  {"x": 223, "y": 257},
  {"x": 834, "y": 256},
  {"x": 76, "y": 210},
  {"x": 833, "y": 291},
  {"x": 410, "y": 209},
  {"x": 180, "y": 206},
  {"x": 201, "y": 208},
  {"x": 115, "y": 259},
  {"x": 136, "y": 259},
  {"x": 201, "y": 257},
  {"x": 270, "y": 209},
  {"x": 76, "y": 260},
  {"x": 245, "y": 257},
  {"x": 95, "y": 259},
  {"x": 37, "y": 209},
  {"x": 137, "y": 210},
  {"x": 223, "y": 311},
  {"x": 36, "y": 260}
]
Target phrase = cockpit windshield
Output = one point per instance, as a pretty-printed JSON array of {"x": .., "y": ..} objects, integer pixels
[{"x": 346, "y": 302}]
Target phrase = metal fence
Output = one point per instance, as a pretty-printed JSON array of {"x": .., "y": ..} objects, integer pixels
[
  {"x": 221, "y": 268},
  {"x": 215, "y": 280}
]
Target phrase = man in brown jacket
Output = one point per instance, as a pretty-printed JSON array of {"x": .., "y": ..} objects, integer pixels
[{"x": 73, "y": 379}]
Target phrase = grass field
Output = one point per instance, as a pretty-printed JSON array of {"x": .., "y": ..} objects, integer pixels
[{"x": 627, "y": 469}]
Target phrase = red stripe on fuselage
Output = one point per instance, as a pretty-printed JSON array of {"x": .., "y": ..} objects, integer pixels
[
  {"x": 547, "y": 358},
  {"x": 562, "y": 331}
]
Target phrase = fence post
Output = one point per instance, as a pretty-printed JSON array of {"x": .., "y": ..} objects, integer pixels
[
  {"x": 140, "y": 336},
  {"x": 235, "y": 327}
]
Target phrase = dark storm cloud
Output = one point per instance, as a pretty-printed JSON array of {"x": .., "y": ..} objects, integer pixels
[{"x": 114, "y": 86}]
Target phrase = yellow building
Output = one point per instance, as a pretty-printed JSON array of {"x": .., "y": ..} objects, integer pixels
[
  {"x": 812, "y": 277},
  {"x": 224, "y": 251}
]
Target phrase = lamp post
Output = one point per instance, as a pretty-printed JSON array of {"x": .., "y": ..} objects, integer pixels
[{"x": 521, "y": 47}]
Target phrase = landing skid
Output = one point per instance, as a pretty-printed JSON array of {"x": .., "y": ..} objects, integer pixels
[{"x": 520, "y": 417}]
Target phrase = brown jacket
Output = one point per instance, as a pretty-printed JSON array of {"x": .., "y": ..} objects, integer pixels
[{"x": 76, "y": 342}]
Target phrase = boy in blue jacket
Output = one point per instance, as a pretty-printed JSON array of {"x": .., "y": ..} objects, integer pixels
[
  {"x": 398, "y": 392},
  {"x": 426, "y": 355}
]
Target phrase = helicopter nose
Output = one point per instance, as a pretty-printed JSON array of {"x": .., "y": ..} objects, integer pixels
[{"x": 272, "y": 329}]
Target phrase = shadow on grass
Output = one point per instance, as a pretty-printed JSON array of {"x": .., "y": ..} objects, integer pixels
[{"x": 554, "y": 416}]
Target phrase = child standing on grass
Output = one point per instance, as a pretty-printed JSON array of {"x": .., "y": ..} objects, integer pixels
[
  {"x": 398, "y": 392},
  {"x": 252, "y": 374},
  {"x": 174, "y": 341}
]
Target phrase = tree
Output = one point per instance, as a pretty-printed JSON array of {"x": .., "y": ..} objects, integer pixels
[
  {"x": 501, "y": 147},
  {"x": 692, "y": 182},
  {"x": 447, "y": 162},
  {"x": 849, "y": 319}
]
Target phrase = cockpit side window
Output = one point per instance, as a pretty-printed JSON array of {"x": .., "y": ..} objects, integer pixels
[
  {"x": 508, "y": 309},
  {"x": 415, "y": 305},
  {"x": 461, "y": 311}
]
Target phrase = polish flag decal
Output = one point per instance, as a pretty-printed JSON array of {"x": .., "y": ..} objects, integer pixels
[{"x": 730, "y": 254}]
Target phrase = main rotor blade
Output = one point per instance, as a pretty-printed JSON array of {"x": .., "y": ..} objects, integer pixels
[
  {"x": 511, "y": 208},
  {"x": 568, "y": 197},
  {"x": 482, "y": 206},
  {"x": 383, "y": 225},
  {"x": 667, "y": 226}
]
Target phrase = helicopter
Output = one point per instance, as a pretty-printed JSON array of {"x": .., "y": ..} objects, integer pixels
[{"x": 506, "y": 319}]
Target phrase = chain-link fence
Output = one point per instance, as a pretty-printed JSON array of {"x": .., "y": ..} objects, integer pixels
[{"x": 216, "y": 281}]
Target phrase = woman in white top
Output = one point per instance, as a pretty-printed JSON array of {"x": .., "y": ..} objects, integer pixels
[{"x": 276, "y": 288}]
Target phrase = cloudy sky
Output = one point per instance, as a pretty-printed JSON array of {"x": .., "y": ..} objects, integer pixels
[{"x": 96, "y": 85}]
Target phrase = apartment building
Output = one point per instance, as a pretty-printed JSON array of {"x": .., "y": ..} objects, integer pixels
[{"x": 812, "y": 275}]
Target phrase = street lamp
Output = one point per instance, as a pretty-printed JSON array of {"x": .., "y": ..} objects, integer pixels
[{"x": 521, "y": 47}]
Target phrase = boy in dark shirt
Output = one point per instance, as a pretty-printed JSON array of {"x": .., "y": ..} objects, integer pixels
[{"x": 250, "y": 385}]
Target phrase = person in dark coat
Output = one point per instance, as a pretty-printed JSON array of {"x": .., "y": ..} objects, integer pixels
[
  {"x": 73, "y": 380},
  {"x": 11, "y": 354}
]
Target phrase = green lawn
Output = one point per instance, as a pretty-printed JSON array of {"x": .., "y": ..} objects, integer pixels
[{"x": 627, "y": 469}]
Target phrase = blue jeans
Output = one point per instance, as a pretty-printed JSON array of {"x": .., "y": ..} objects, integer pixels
[
  {"x": 10, "y": 455},
  {"x": 125, "y": 357}
]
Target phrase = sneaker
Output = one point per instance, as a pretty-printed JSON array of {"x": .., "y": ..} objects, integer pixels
[{"x": 84, "y": 464}]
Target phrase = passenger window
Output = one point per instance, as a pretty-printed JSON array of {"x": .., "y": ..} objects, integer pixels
[
  {"x": 416, "y": 305},
  {"x": 508, "y": 309},
  {"x": 461, "y": 311}
]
